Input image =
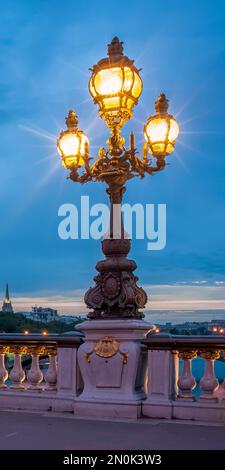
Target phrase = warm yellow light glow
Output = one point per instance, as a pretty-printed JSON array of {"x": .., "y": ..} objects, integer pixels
[
  {"x": 26, "y": 332},
  {"x": 115, "y": 80},
  {"x": 72, "y": 144},
  {"x": 174, "y": 130},
  {"x": 161, "y": 133},
  {"x": 112, "y": 102},
  {"x": 157, "y": 130},
  {"x": 137, "y": 86},
  {"x": 109, "y": 81},
  {"x": 215, "y": 329},
  {"x": 128, "y": 79},
  {"x": 116, "y": 89},
  {"x": 157, "y": 330},
  {"x": 44, "y": 333},
  {"x": 221, "y": 330},
  {"x": 71, "y": 147}
]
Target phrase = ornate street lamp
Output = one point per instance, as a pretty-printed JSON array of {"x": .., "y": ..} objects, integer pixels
[
  {"x": 161, "y": 130},
  {"x": 72, "y": 144},
  {"x": 115, "y": 86}
]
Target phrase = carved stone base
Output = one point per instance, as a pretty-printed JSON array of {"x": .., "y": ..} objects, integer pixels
[
  {"x": 116, "y": 293},
  {"x": 113, "y": 366}
]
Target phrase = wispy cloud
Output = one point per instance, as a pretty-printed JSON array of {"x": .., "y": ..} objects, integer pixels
[
  {"x": 199, "y": 282},
  {"x": 161, "y": 297},
  {"x": 191, "y": 282}
]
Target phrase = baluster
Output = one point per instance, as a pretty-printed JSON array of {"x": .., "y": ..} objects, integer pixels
[
  {"x": 3, "y": 370},
  {"x": 51, "y": 374},
  {"x": 17, "y": 374},
  {"x": 187, "y": 382},
  {"x": 34, "y": 374},
  {"x": 209, "y": 383}
]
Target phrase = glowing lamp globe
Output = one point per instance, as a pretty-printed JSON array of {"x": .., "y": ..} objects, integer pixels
[
  {"x": 115, "y": 85},
  {"x": 161, "y": 130},
  {"x": 73, "y": 143}
]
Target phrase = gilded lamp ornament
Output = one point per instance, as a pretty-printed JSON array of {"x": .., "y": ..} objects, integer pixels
[
  {"x": 72, "y": 144},
  {"x": 161, "y": 130},
  {"x": 115, "y": 85}
]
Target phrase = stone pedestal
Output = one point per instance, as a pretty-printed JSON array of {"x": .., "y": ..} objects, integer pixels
[
  {"x": 67, "y": 380},
  {"x": 113, "y": 366},
  {"x": 162, "y": 384}
]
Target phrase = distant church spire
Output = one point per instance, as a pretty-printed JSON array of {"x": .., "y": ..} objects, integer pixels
[
  {"x": 7, "y": 305},
  {"x": 7, "y": 292}
]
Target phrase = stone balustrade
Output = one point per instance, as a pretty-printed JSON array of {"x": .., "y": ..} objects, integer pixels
[
  {"x": 171, "y": 383},
  {"x": 39, "y": 373},
  {"x": 42, "y": 373}
]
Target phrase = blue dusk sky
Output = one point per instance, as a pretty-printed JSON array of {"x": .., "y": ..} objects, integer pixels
[{"x": 46, "y": 49}]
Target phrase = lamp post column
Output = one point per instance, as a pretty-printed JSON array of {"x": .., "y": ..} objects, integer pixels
[
  {"x": 116, "y": 227},
  {"x": 111, "y": 359}
]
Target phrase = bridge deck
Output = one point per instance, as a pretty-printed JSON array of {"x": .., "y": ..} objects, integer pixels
[{"x": 20, "y": 430}]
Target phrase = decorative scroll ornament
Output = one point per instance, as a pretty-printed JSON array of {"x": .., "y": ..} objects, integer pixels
[
  {"x": 38, "y": 350},
  {"x": 22, "y": 350},
  {"x": 213, "y": 355},
  {"x": 188, "y": 354},
  {"x": 116, "y": 293},
  {"x": 107, "y": 347},
  {"x": 4, "y": 349}
]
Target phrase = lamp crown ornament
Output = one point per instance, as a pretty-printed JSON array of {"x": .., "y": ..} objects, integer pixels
[
  {"x": 115, "y": 48},
  {"x": 115, "y": 86},
  {"x": 162, "y": 104},
  {"x": 71, "y": 120}
]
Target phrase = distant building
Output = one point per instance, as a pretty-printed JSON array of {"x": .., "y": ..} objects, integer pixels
[
  {"x": 7, "y": 305},
  {"x": 42, "y": 314},
  {"x": 217, "y": 327},
  {"x": 69, "y": 318}
]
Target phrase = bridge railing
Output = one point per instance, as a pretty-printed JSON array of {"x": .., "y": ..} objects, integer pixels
[
  {"x": 39, "y": 372},
  {"x": 172, "y": 384}
]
